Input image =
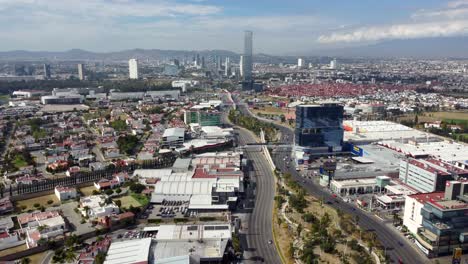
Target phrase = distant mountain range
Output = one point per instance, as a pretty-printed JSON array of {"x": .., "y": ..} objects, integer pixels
[
  {"x": 83, "y": 55},
  {"x": 453, "y": 47}
]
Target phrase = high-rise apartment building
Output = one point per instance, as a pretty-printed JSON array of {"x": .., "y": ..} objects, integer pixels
[
  {"x": 319, "y": 126},
  {"x": 333, "y": 64},
  {"x": 133, "y": 68},
  {"x": 227, "y": 67},
  {"x": 47, "y": 71},
  {"x": 300, "y": 63},
  {"x": 81, "y": 72}
]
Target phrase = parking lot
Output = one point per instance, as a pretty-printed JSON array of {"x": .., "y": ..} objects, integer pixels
[{"x": 169, "y": 209}]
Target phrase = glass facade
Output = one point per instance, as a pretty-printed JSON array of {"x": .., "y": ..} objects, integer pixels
[
  {"x": 443, "y": 230},
  {"x": 319, "y": 126},
  {"x": 203, "y": 118}
]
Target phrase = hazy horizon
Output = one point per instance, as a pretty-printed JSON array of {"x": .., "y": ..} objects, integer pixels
[{"x": 279, "y": 27}]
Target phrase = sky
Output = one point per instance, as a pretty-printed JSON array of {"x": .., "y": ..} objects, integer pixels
[{"x": 280, "y": 26}]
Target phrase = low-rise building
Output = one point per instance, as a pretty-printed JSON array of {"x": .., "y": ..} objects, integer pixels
[
  {"x": 41, "y": 226},
  {"x": 88, "y": 255},
  {"x": 6, "y": 206},
  {"x": 173, "y": 137},
  {"x": 95, "y": 206},
  {"x": 65, "y": 193},
  {"x": 62, "y": 99}
]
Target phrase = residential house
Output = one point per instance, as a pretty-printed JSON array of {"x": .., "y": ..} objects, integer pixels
[{"x": 65, "y": 193}]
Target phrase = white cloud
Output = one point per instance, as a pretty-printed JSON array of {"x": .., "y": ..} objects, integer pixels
[
  {"x": 451, "y": 20},
  {"x": 457, "y": 3},
  {"x": 401, "y": 31},
  {"x": 112, "y": 8}
]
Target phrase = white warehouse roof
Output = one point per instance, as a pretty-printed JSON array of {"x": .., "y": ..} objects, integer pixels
[{"x": 130, "y": 251}]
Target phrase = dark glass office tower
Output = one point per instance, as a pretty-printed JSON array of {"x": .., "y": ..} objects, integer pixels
[{"x": 319, "y": 126}]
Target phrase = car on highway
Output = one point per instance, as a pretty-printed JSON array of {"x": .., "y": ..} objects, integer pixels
[{"x": 270, "y": 242}]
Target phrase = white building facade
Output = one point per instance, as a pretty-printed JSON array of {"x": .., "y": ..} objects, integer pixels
[{"x": 133, "y": 68}]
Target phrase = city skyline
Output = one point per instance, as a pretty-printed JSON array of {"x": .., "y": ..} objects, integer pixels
[{"x": 195, "y": 25}]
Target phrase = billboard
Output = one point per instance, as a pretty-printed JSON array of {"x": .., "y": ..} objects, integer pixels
[{"x": 357, "y": 151}]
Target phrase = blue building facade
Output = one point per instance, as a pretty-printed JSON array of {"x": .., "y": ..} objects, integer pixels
[{"x": 319, "y": 126}]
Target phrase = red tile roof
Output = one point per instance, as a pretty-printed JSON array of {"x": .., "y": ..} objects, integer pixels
[{"x": 428, "y": 197}]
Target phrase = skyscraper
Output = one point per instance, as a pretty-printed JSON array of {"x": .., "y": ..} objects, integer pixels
[
  {"x": 227, "y": 67},
  {"x": 46, "y": 71},
  {"x": 247, "y": 63},
  {"x": 300, "y": 63},
  {"x": 241, "y": 65},
  {"x": 133, "y": 68},
  {"x": 333, "y": 64},
  {"x": 319, "y": 126},
  {"x": 81, "y": 73}
]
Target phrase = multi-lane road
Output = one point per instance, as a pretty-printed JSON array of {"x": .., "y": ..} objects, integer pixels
[
  {"x": 398, "y": 248},
  {"x": 257, "y": 233}
]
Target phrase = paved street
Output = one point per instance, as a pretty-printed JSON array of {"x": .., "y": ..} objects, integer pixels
[
  {"x": 258, "y": 229},
  {"x": 260, "y": 221},
  {"x": 388, "y": 237}
]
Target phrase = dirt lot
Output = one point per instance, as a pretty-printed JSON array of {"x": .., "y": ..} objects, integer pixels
[
  {"x": 37, "y": 258},
  {"x": 438, "y": 116},
  {"x": 128, "y": 200},
  {"x": 12, "y": 250},
  {"x": 87, "y": 191},
  {"x": 42, "y": 200}
]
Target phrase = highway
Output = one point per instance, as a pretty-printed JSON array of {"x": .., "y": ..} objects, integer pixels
[
  {"x": 397, "y": 247},
  {"x": 258, "y": 229}
]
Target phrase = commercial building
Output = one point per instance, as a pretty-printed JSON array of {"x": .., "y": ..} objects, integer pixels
[
  {"x": 81, "y": 72},
  {"x": 202, "y": 117},
  {"x": 27, "y": 93},
  {"x": 359, "y": 186},
  {"x": 412, "y": 217},
  {"x": 428, "y": 175},
  {"x": 174, "y": 244},
  {"x": 364, "y": 132},
  {"x": 445, "y": 222},
  {"x": 196, "y": 243},
  {"x": 209, "y": 182},
  {"x": 166, "y": 94},
  {"x": 135, "y": 251},
  {"x": 133, "y": 68},
  {"x": 184, "y": 84},
  {"x": 247, "y": 63},
  {"x": 319, "y": 126},
  {"x": 62, "y": 99},
  {"x": 173, "y": 137},
  {"x": 445, "y": 150}
]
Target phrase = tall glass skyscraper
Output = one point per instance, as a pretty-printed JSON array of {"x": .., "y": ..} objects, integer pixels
[
  {"x": 247, "y": 64},
  {"x": 319, "y": 126}
]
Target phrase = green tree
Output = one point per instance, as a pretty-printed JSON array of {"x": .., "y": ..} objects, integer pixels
[
  {"x": 137, "y": 187},
  {"x": 25, "y": 260},
  {"x": 100, "y": 258}
]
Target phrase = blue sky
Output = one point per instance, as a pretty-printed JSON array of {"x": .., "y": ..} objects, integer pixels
[{"x": 280, "y": 26}]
